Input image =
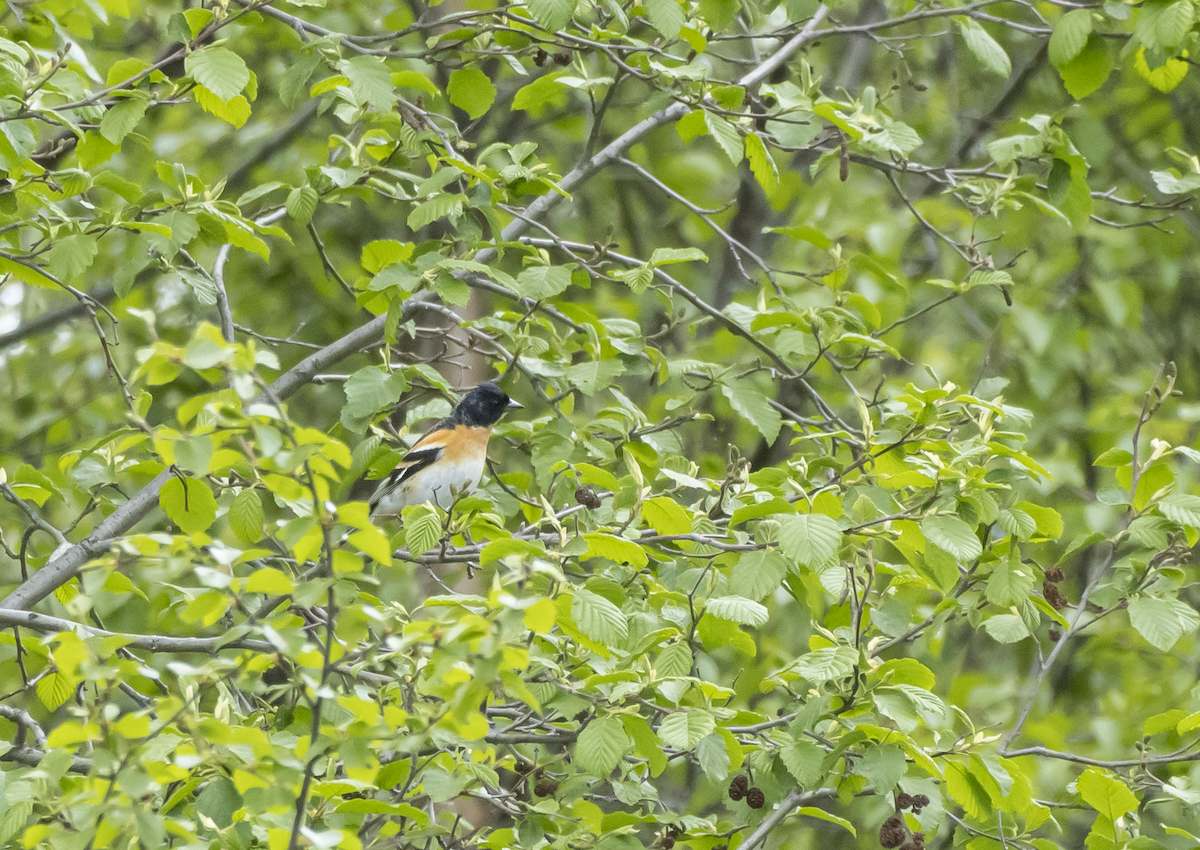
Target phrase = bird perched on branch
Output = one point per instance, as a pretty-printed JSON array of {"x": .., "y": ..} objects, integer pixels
[{"x": 448, "y": 459}]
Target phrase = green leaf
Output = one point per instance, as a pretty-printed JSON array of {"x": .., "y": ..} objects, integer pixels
[
  {"x": 545, "y": 89},
  {"x": 54, "y": 689},
  {"x": 951, "y": 534},
  {"x": 675, "y": 660},
  {"x": 188, "y": 503},
  {"x": 268, "y": 580},
  {"x": 439, "y": 206},
  {"x": 1101, "y": 790},
  {"x": 1006, "y": 628},
  {"x": 422, "y": 529},
  {"x": 615, "y": 549},
  {"x": 1181, "y": 508},
  {"x": 592, "y": 376},
  {"x": 301, "y": 204},
  {"x": 762, "y": 164},
  {"x": 828, "y": 817},
  {"x": 599, "y": 619},
  {"x": 1089, "y": 70},
  {"x": 120, "y": 118},
  {"x": 684, "y": 729},
  {"x": 1017, "y": 522},
  {"x": 726, "y": 136},
  {"x": 1009, "y": 584},
  {"x": 541, "y": 282},
  {"x": 552, "y": 14},
  {"x": 809, "y": 539},
  {"x": 882, "y": 767},
  {"x": 471, "y": 91},
  {"x": 14, "y": 815},
  {"x": 758, "y": 574},
  {"x": 1162, "y": 621},
  {"x": 667, "y": 256},
  {"x": 1069, "y": 36},
  {"x": 737, "y": 609},
  {"x": 368, "y": 391},
  {"x": 370, "y": 82},
  {"x": 751, "y": 404},
  {"x": 805, "y": 762},
  {"x": 666, "y": 516},
  {"x": 601, "y": 746},
  {"x": 246, "y": 516},
  {"x": 666, "y": 16},
  {"x": 219, "y": 70},
  {"x": 985, "y": 48},
  {"x": 827, "y": 664},
  {"x": 70, "y": 256}
]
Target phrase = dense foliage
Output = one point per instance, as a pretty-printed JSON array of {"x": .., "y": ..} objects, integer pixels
[{"x": 851, "y": 501}]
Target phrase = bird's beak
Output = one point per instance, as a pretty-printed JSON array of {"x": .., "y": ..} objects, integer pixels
[{"x": 515, "y": 405}]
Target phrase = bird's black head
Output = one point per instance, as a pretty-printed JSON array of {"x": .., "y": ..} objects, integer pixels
[{"x": 483, "y": 406}]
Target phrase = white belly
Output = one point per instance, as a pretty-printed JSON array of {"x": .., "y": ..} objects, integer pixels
[{"x": 436, "y": 484}]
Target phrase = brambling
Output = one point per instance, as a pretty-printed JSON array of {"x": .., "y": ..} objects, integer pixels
[{"x": 448, "y": 459}]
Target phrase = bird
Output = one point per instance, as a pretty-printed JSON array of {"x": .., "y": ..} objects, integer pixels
[{"x": 448, "y": 459}]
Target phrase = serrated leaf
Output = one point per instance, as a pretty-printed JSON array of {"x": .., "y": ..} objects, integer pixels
[
  {"x": 1069, "y": 36},
  {"x": 370, "y": 390},
  {"x": 370, "y": 82},
  {"x": 726, "y": 136},
  {"x": 13, "y": 817},
  {"x": 809, "y": 539},
  {"x": 552, "y": 14},
  {"x": 471, "y": 91},
  {"x": 541, "y": 282},
  {"x": 55, "y": 689},
  {"x": 737, "y": 609},
  {"x": 591, "y": 376},
  {"x": 827, "y": 663},
  {"x": 675, "y": 660},
  {"x": 601, "y": 746},
  {"x": 1006, "y": 628},
  {"x": 70, "y": 256},
  {"x": 985, "y": 48},
  {"x": 1017, "y": 522},
  {"x": 804, "y": 761},
  {"x": 599, "y": 619},
  {"x": 235, "y": 111},
  {"x": 684, "y": 729},
  {"x": 120, "y": 118},
  {"x": 882, "y": 767},
  {"x": 439, "y": 206},
  {"x": 219, "y": 70},
  {"x": 1009, "y": 584},
  {"x": 188, "y": 503},
  {"x": 667, "y": 256},
  {"x": 666, "y": 16},
  {"x": 615, "y": 549},
  {"x": 301, "y": 204},
  {"x": 666, "y": 516},
  {"x": 1101, "y": 790},
  {"x": 246, "y": 516},
  {"x": 762, "y": 164},
  {"x": 713, "y": 756},
  {"x": 951, "y": 534},
  {"x": 751, "y": 404},
  {"x": 1181, "y": 508},
  {"x": 758, "y": 574},
  {"x": 1088, "y": 71},
  {"x": 422, "y": 529},
  {"x": 1162, "y": 621}
]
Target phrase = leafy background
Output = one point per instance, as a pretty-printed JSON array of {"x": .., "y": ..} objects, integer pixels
[{"x": 852, "y": 498}]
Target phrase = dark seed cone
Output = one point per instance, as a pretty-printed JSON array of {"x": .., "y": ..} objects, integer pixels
[
  {"x": 545, "y": 788},
  {"x": 755, "y": 798},
  {"x": 587, "y": 497}
]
